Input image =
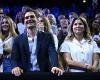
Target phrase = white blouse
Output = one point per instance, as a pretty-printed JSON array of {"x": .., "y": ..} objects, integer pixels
[{"x": 80, "y": 51}]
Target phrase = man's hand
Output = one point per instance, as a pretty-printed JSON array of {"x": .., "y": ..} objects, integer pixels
[
  {"x": 17, "y": 71},
  {"x": 57, "y": 71}
]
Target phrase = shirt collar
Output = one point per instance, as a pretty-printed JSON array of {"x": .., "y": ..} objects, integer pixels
[
  {"x": 30, "y": 36},
  {"x": 79, "y": 42}
]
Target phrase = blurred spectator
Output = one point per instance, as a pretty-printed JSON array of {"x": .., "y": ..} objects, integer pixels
[
  {"x": 63, "y": 32},
  {"x": 44, "y": 26},
  {"x": 84, "y": 15},
  {"x": 53, "y": 23},
  {"x": 46, "y": 11},
  {"x": 97, "y": 17},
  {"x": 1, "y": 13},
  {"x": 72, "y": 15},
  {"x": 61, "y": 37},
  {"x": 39, "y": 12},
  {"x": 61, "y": 16},
  {"x": 96, "y": 32},
  {"x": 20, "y": 22},
  {"x": 24, "y": 8}
]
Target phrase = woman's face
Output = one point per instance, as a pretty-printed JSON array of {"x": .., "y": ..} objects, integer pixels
[
  {"x": 41, "y": 24},
  {"x": 78, "y": 27},
  {"x": 5, "y": 25}
]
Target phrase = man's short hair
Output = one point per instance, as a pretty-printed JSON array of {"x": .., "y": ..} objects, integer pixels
[{"x": 31, "y": 10}]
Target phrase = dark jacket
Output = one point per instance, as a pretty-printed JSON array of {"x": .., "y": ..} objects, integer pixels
[{"x": 45, "y": 50}]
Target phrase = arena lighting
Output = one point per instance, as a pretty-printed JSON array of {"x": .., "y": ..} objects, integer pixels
[{"x": 84, "y": 1}]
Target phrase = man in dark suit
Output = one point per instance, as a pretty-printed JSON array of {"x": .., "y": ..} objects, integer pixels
[{"x": 33, "y": 50}]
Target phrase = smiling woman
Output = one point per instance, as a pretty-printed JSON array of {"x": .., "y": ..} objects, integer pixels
[
  {"x": 7, "y": 34},
  {"x": 79, "y": 51}
]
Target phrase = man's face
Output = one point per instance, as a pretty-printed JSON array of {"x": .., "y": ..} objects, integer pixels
[
  {"x": 64, "y": 25},
  {"x": 97, "y": 17},
  {"x": 71, "y": 17},
  {"x": 30, "y": 20}
]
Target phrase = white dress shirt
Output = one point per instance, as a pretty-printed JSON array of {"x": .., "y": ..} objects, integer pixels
[{"x": 32, "y": 47}]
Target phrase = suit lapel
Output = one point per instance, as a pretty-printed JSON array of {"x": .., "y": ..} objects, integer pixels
[
  {"x": 39, "y": 39},
  {"x": 26, "y": 45}
]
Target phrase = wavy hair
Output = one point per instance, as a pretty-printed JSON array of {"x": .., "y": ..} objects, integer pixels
[
  {"x": 12, "y": 27},
  {"x": 86, "y": 35}
]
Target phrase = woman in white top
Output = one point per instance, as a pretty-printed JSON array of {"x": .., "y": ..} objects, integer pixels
[
  {"x": 20, "y": 22},
  {"x": 7, "y": 35},
  {"x": 79, "y": 51}
]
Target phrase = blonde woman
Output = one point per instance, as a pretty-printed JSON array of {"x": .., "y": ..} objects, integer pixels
[
  {"x": 80, "y": 52},
  {"x": 7, "y": 35},
  {"x": 44, "y": 25},
  {"x": 53, "y": 23}
]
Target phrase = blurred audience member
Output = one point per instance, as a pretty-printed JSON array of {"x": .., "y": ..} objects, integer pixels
[
  {"x": 97, "y": 18},
  {"x": 72, "y": 15},
  {"x": 96, "y": 32},
  {"x": 53, "y": 23},
  {"x": 46, "y": 11},
  {"x": 44, "y": 26},
  {"x": 1, "y": 14},
  {"x": 20, "y": 22},
  {"x": 61, "y": 16},
  {"x": 24, "y": 8},
  {"x": 63, "y": 32}
]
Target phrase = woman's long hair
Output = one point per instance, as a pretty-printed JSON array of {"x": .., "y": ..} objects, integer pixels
[
  {"x": 12, "y": 27},
  {"x": 86, "y": 34},
  {"x": 47, "y": 26}
]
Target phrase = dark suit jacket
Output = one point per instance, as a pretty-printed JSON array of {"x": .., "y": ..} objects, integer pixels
[{"x": 45, "y": 50}]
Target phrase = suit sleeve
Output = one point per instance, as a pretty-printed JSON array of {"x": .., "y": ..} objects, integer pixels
[
  {"x": 53, "y": 56},
  {"x": 14, "y": 54}
]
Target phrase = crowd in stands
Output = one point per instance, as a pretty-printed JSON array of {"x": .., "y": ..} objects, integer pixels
[{"x": 76, "y": 41}]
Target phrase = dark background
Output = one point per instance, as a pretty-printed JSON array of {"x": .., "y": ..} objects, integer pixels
[{"x": 11, "y": 7}]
